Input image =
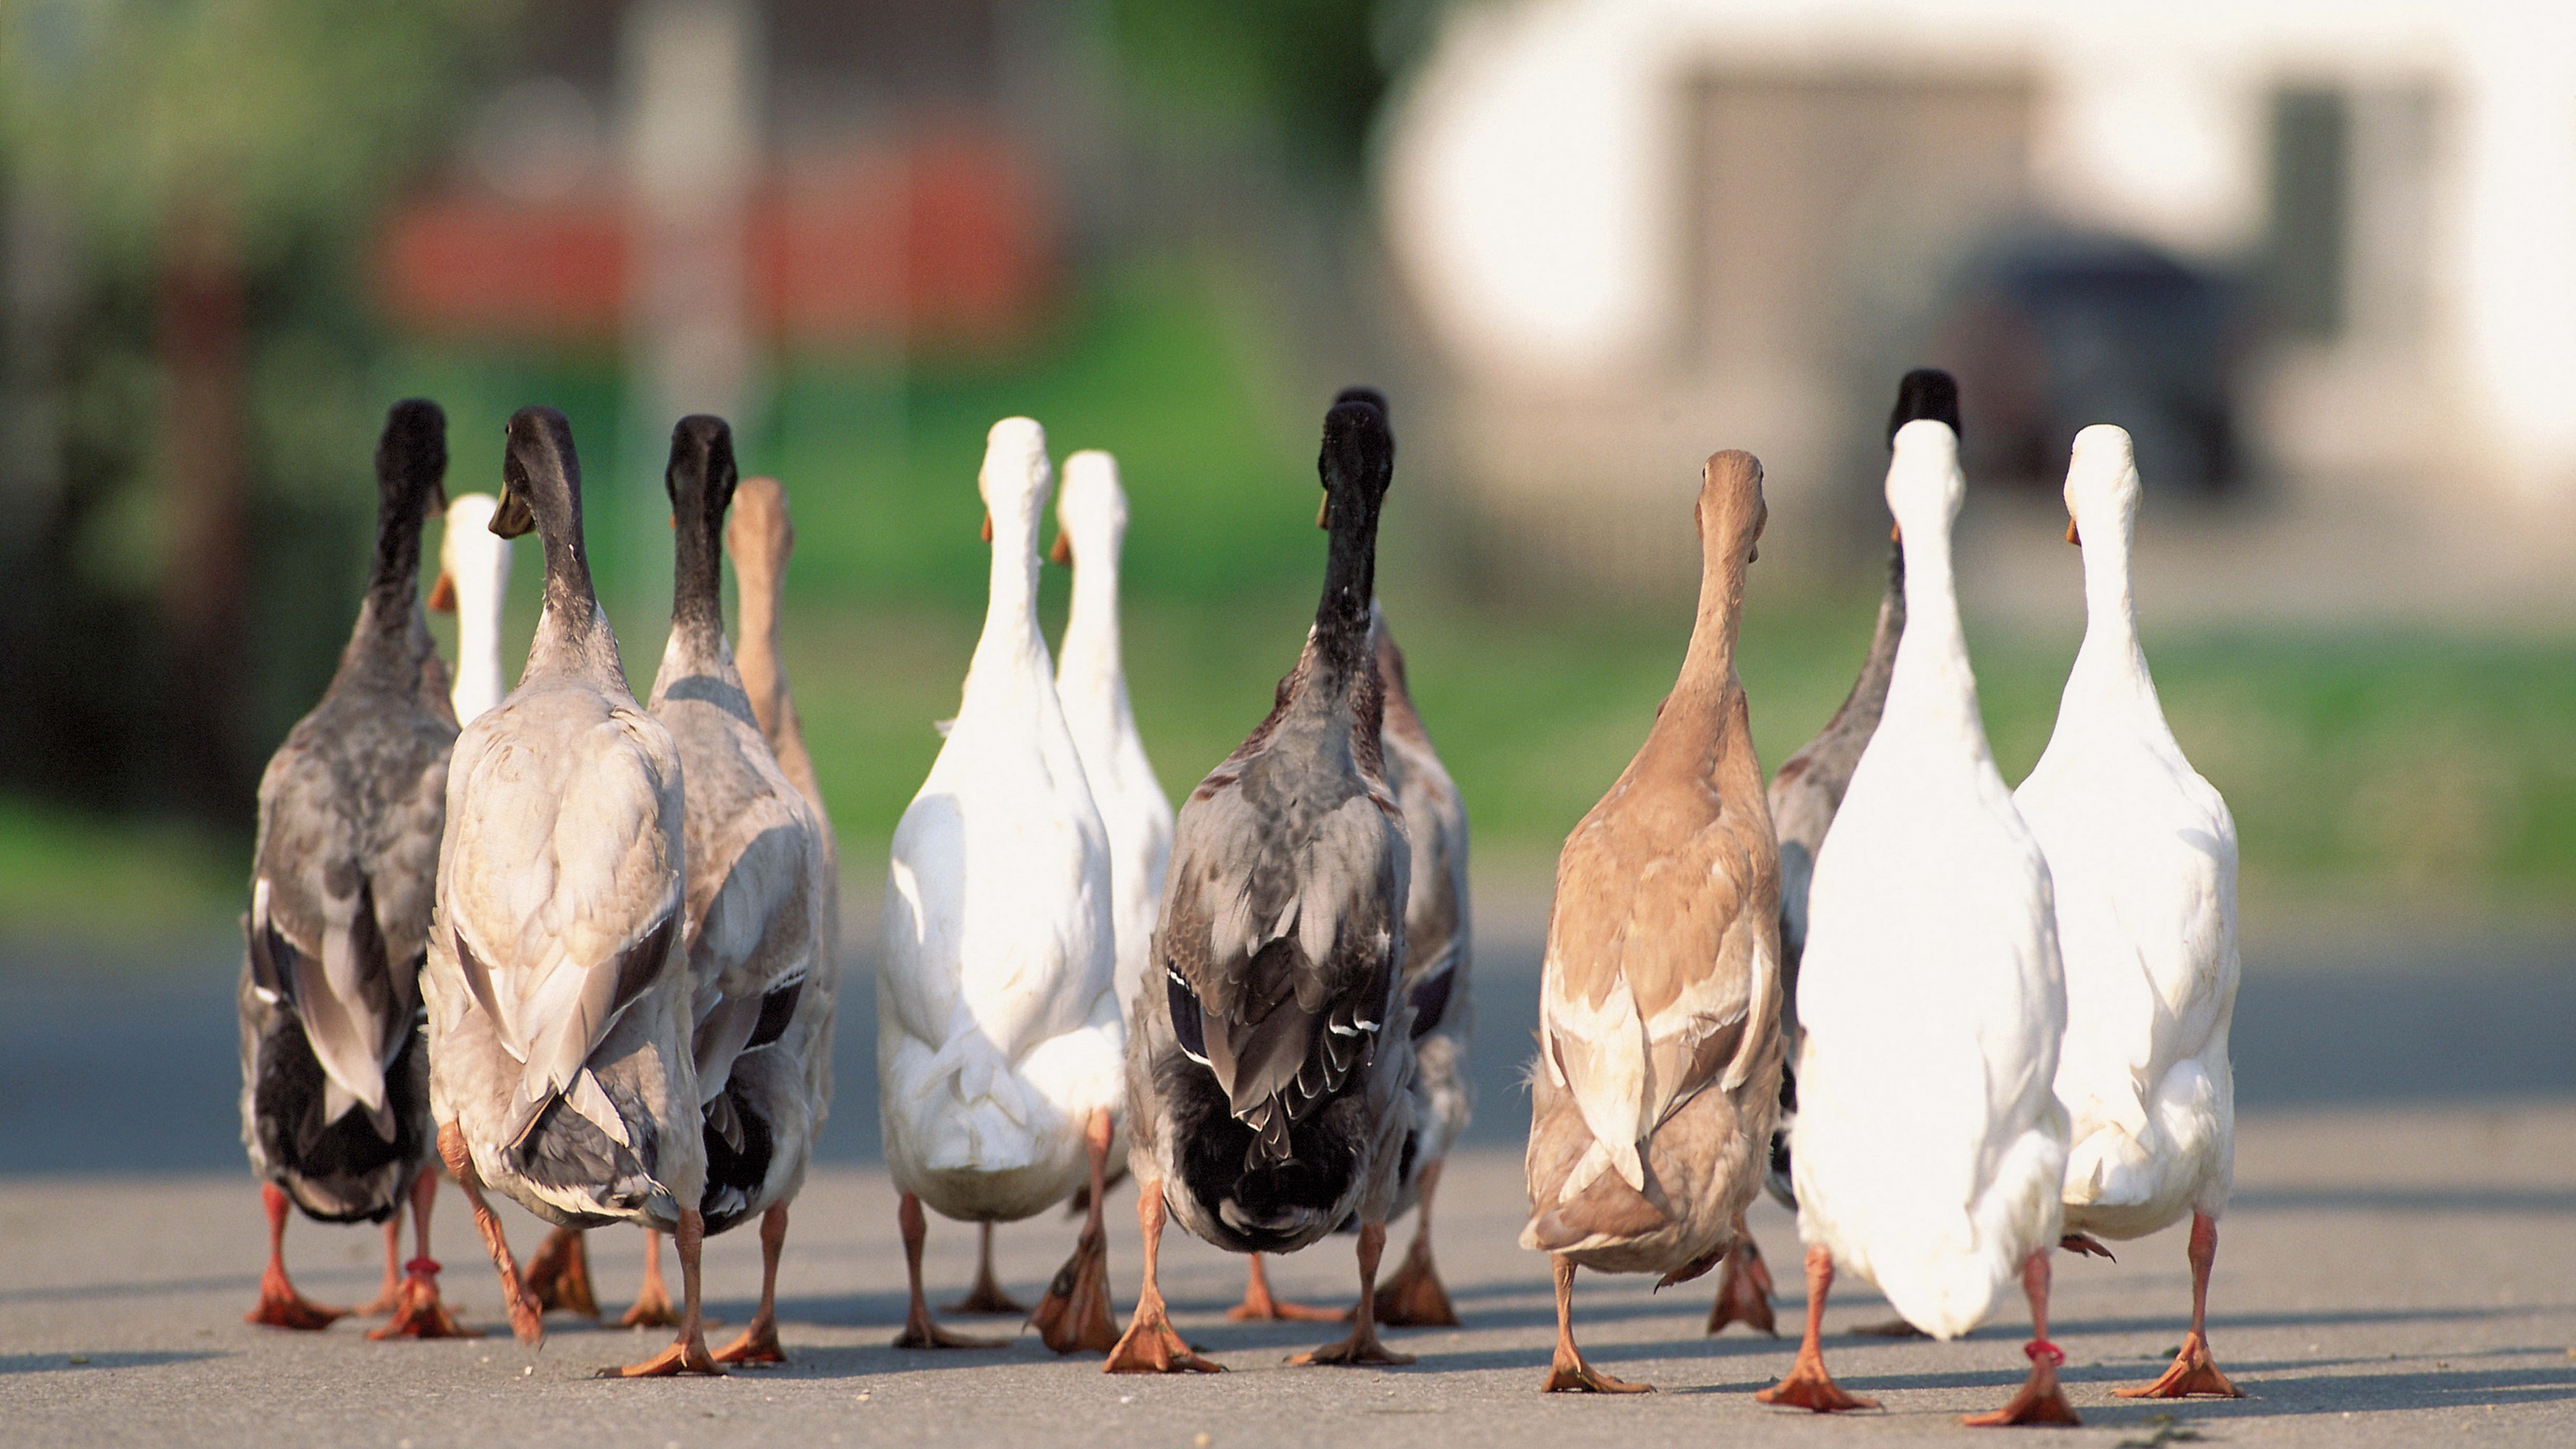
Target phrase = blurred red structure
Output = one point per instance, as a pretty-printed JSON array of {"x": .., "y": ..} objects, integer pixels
[{"x": 946, "y": 243}]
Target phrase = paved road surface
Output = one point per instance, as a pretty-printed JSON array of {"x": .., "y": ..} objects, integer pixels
[
  {"x": 2386, "y": 1277},
  {"x": 2399, "y": 1268}
]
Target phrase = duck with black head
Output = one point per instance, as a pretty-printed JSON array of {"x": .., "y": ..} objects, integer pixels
[
  {"x": 558, "y": 987},
  {"x": 762, "y": 983},
  {"x": 335, "y": 1085},
  {"x": 1269, "y": 1077}
]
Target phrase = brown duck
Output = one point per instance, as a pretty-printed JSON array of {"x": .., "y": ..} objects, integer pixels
[{"x": 1659, "y": 1042}]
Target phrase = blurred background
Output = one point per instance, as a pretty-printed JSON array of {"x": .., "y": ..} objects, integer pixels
[{"x": 2319, "y": 259}]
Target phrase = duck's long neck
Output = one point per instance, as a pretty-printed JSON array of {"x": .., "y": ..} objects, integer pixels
[
  {"x": 1093, "y": 662},
  {"x": 573, "y": 635},
  {"x": 755, "y": 654},
  {"x": 1011, "y": 642},
  {"x": 1868, "y": 698},
  {"x": 387, "y": 645},
  {"x": 697, "y": 644},
  {"x": 1340, "y": 642},
  {"x": 1932, "y": 680},
  {"x": 478, "y": 635},
  {"x": 1697, "y": 719},
  {"x": 2111, "y": 668}
]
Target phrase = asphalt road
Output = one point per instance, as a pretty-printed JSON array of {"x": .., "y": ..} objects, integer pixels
[{"x": 2398, "y": 1267}]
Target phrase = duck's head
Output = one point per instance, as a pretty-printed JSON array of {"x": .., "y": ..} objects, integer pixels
[
  {"x": 1730, "y": 511},
  {"x": 1091, "y": 512},
  {"x": 1363, "y": 393},
  {"x": 1926, "y": 392},
  {"x": 1924, "y": 485},
  {"x": 540, "y": 477},
  {"x": 758, "y": 530},
  {"x": 2101, "y": 484},
  {"x": 700, "y": 477},
  {"x": 411, "y": 461},
  {"x": 1016, "y": 474},
  {"x": 1357, "y": 463},
  {"x": 469, "y": 552}
]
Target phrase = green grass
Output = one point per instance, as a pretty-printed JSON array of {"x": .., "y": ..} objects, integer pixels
[{"x": 2408, "y": 770}]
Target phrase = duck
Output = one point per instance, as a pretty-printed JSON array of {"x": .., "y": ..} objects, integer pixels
[
  {"x": 1269, "y": 1073},
  {"x": 1433, "y": 978},
  {"x": 1658, "y": 1069},
  {"x": 2142, "y": 851},
  {"x": 1929, "y": 1144},
  {"x": 999, "y": 1043},
  {"x": 1804, "y": 795},
  {"x": 759, "y": 899},
  {"x": 335, "y": 1080},
  {"x": 473, "y": 580},
  {"x": 758, "y": 537},
  {"x": 558, "y": 985},
  {"x": 1091, "y": 681}
]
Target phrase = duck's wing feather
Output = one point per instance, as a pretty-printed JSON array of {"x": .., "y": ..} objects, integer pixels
[
  {"x": 1661, "y": 974},
  {"x": 1277, "y": 938},
  {"x": 566, "y": 863},
  {"x": 351, "y": 809}
]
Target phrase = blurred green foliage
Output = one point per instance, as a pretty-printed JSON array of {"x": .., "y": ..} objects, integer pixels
[{"x": 1304, "y": 76}]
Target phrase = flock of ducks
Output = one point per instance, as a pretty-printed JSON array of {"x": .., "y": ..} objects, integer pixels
[{"x": 584, "y": 949}]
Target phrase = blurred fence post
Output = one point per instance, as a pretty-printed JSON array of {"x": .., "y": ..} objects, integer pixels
[{"x": 691, "y": 73}]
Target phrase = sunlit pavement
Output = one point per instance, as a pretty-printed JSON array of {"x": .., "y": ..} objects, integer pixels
[
  {"x": 2385, "y": 1277},
  {"x": 2399, "y": 1268}
]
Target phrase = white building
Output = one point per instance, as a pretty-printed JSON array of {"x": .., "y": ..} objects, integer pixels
[{"x": 1638, "y": 230}]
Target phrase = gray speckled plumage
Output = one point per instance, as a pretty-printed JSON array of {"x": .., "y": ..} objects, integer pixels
[
  {"x": 1438, "y": 936},
  {"x": 335, "y": 1105},
  {"x": 1285, "y": 1107},
  {"x": 557, "y": 986},
  {"x": 762, "y": 974}
]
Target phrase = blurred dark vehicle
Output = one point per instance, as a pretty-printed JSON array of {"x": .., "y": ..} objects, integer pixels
[{"x": 2057, "y": 332}]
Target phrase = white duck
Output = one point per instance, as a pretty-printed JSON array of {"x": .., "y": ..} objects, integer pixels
[
  {"x": 1091, "y": 680},
  {"x": 2143, "y": 853},
  {"x": 1930, "y": 1146},
  {"x": 557, "y": 986},
  {"x": 473, "y": 579},
  {"x": 1000, "y": 1054}
]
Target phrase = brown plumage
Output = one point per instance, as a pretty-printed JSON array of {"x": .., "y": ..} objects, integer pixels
[{"x": 1659, "y": 1046}]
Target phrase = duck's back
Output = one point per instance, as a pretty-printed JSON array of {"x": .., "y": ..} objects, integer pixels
[
  {"x": 1929, "y": 1143},
  {"x": 350, "y": 813},
  {"x": 2142, "y": 851}
]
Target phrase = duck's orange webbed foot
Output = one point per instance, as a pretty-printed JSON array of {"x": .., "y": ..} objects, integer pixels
[
  {"x": 2040, "y": 1401},
  {"x": 1260, "y": 1305},
  {"x": 1743, "y": 1291},
  {"x": 1360, "y": 1349},
  {"x": 421, "y": 1313},
  {"x": 1808, "y": 1386},
  {"x": 1074, "y": 1315},
  {"x": 687, "y": 1357},
  {"x": 558, "y": 1277},
  {"x": 1414, "y": 1297},
  {"x": 280, "y": 1306},
  {"x": 1152, "y": 1346},
  {"x": 1571, "y": 1374},
  {"x": 2193, "y": 1372},
  {"x": 756, "y": 1348}
]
